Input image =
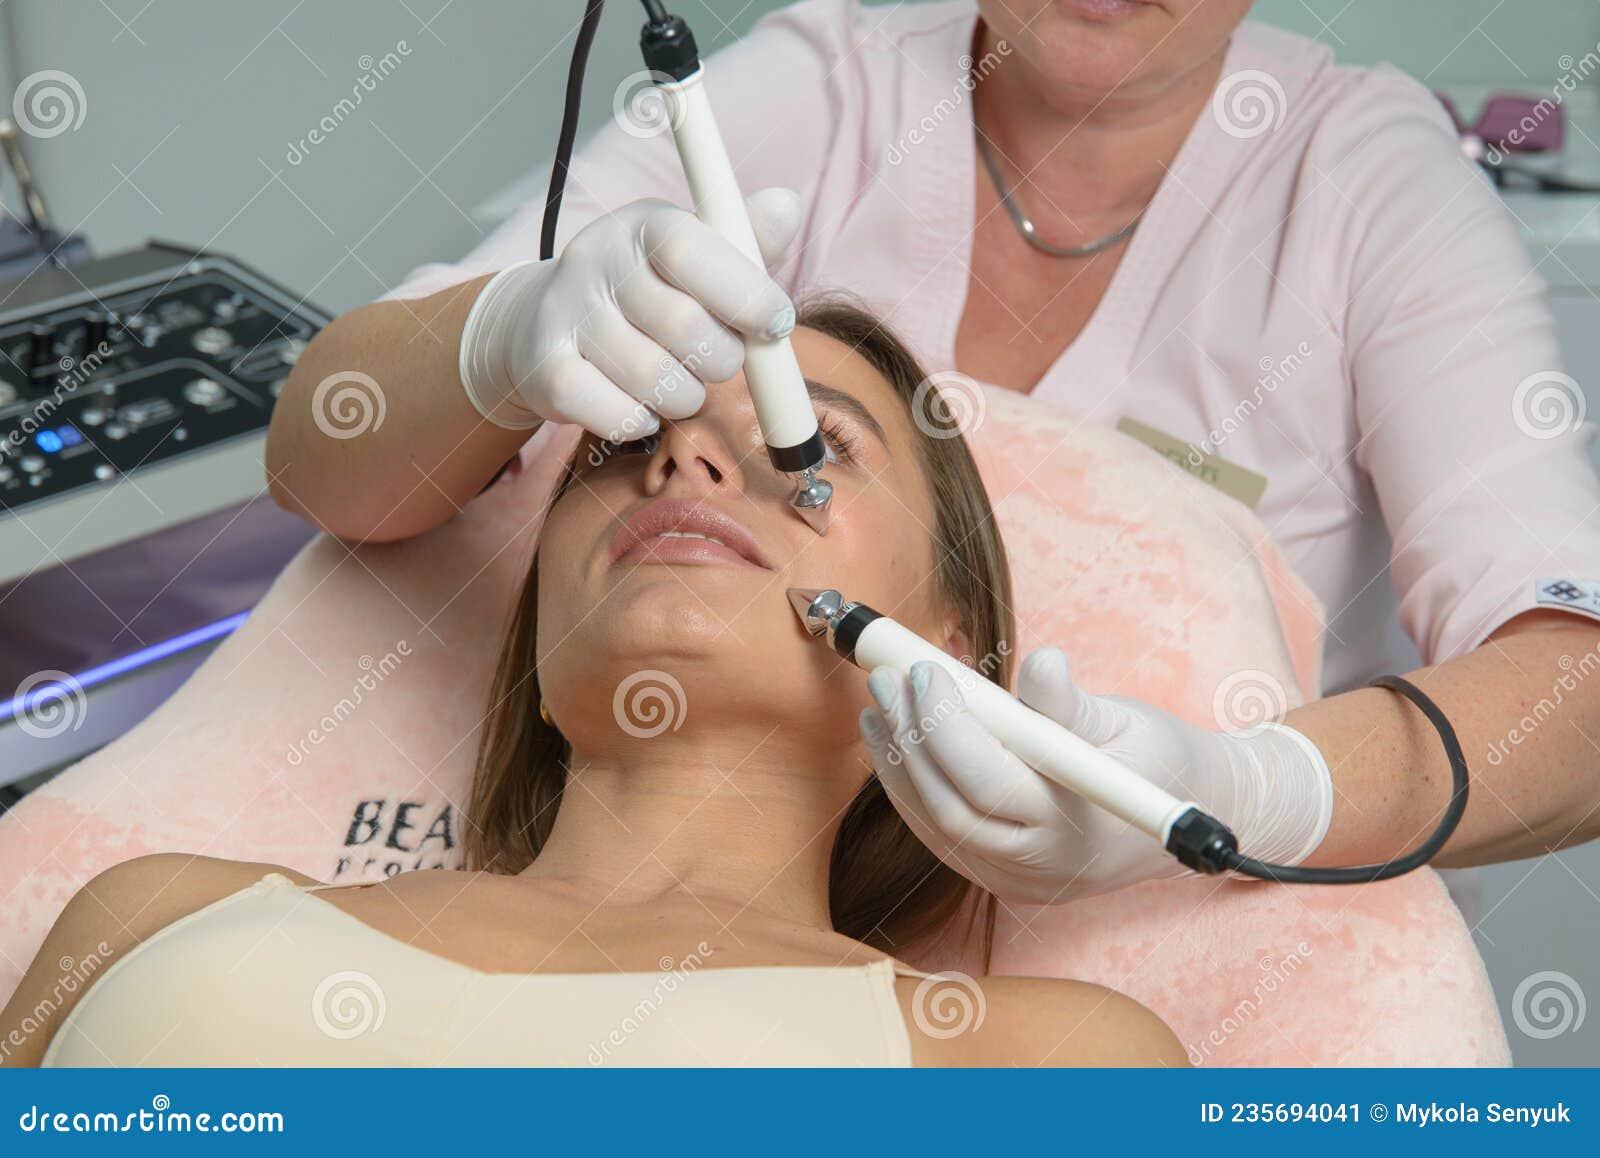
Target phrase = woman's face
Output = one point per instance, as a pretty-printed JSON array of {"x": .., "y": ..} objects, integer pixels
[
  {"x": 1094, "y": 50},
  {"x": 668, "y": 566}
]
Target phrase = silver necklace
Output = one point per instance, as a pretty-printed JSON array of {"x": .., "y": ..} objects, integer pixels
[{"x": 1025, "y": 225}]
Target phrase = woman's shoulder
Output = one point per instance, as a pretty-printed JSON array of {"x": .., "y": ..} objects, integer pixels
[
  {"x": 1364, "y": 156},
  {"x": 956, "y": 1020},
  {"x": 138, "y": 897},
  {"x": 107, "y": 918},
  {"x": 129, "y": 902},
  {"x": 1292, "y": 82}
]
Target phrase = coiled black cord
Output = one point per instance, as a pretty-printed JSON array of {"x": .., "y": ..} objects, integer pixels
[{"x": 1421, "y": 855}]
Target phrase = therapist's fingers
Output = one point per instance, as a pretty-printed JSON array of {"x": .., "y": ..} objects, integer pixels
[
  {"x": 710, "y": 350},
  {"x": 946, "y": 808},
  {"x": 579, "y": 392},
  {"x": 1046, "y": 685},
  {"x": 993, "y": 780},
  {"x": 694, "y": 257},
  {"x": 972, "y": 862},
  {"x": 775, "y": 216},
  {"x": 640, "y": 366}
]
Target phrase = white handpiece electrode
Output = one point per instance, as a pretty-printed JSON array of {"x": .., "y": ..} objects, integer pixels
[
  {"x": 869, "y": 640},
  {"x": 777, "y": 387}
]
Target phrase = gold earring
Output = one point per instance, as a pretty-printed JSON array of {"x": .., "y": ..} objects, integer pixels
[{"x": 544, "y": 713}]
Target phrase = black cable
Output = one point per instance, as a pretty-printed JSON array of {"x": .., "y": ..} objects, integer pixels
[
  {"x": 569, "y": 127},
  {"x": 1421, "y": 855}
]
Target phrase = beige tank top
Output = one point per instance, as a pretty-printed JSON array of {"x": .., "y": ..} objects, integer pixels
[{"x": 270, "y": 975}]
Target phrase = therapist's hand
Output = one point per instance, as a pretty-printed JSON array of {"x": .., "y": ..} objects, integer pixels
[
  {"x": 1026, "y": 839},
  {"x": 642, "y": 307}
]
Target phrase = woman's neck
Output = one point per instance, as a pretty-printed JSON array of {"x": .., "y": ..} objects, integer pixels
[
  {"x": 1095, "y": 154},
  {"x": 735, "y": 819}
]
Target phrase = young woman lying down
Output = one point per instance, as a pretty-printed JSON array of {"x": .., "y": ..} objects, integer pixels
[{"x": 679, "y": 853}]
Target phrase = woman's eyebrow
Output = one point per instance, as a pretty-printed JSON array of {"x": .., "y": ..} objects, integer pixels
[{"x": 849, "y": 403}]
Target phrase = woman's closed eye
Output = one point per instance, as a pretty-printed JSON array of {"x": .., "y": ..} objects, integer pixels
[
  {"x": 836, "y": 436},
  {"x": 845, "y": 423}
]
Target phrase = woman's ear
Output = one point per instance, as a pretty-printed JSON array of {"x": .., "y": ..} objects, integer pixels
[{"x": 959, "y": 646}]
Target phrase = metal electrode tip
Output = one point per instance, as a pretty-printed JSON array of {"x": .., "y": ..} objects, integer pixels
[
  {"x": 812, "y": 500},
  {"x": 816, "y": 607}
]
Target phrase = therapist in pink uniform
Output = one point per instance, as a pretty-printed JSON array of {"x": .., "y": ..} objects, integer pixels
[{"x": 1141, "y": 208}]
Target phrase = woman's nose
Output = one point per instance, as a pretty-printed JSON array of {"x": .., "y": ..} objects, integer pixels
[{"x": 692, "y": 454}]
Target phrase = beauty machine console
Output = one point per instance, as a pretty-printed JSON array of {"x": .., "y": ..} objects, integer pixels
[{"x": 135, "y": 395}]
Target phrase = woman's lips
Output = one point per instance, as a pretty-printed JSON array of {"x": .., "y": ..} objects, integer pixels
[{"x": 688, "y": 532}]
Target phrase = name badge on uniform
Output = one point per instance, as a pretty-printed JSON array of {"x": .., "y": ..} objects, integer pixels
[{"x": 1230, "y": 478}]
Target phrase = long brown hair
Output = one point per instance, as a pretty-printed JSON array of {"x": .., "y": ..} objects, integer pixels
[{"x": 885, "y": 887}]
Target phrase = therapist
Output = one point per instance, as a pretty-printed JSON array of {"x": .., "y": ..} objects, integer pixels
[{"x": 1124, "y": 208}]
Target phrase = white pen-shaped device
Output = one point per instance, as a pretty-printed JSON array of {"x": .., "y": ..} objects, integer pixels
[
  {"x": 777, "y": 388},
  {"x": 870, "y": 640}
]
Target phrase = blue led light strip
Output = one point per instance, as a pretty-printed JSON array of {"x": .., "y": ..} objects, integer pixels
[{"x": 107, "y": 671}]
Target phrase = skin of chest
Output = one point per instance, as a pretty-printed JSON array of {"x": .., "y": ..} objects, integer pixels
[{"x": 1023, "y": 307}]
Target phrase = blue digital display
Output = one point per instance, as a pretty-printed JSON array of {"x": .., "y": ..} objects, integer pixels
[{"x": 55, "y": 440}]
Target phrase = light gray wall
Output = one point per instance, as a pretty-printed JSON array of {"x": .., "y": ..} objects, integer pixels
[{"x": 191, "y": 107}]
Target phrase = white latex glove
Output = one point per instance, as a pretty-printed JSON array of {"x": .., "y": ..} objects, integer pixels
[
  {"x": 999, "y": 823},
  {"x": 641, "y": 308}
]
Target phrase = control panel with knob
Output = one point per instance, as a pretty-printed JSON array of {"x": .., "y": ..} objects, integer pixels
[{"x": 151, "y": 356}]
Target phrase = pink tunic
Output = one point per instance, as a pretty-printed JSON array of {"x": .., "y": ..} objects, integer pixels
[{"x": 1332, "y": 298}]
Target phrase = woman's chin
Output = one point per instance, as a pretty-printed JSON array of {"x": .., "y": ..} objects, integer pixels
[
  {"x": 658, "y": 615},
  {"x": 725, "y": 594}
]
